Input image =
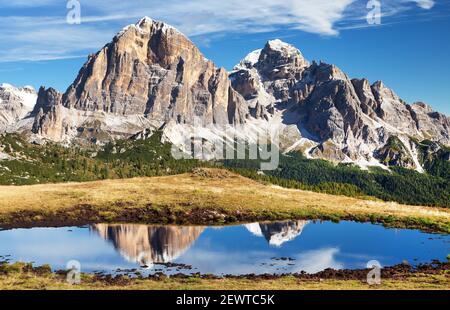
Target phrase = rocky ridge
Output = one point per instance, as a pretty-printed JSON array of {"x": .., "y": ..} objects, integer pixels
[{"x": 334, "y": 117}]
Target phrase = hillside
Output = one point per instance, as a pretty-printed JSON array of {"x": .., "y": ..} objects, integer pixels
[
  {"x": 205, "y": 196},
  {"x": 27, "y": 163},
  {"x": 24, "y": 163}
]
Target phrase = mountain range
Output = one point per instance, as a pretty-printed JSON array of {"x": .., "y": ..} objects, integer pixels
[{"x": 152, "y": 77}]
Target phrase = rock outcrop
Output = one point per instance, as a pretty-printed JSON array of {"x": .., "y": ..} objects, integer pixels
[
  {"x": 431, "y": 124},
  {"x": 395, "y": 153},
  {"x": 48, "y": 115}
]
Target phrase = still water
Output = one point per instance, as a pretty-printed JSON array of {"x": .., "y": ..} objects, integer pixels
[{"x": 282, "y": 247}]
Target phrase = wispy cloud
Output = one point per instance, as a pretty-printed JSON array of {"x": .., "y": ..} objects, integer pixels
[
  {"x": 424, "y": 4},
  {"x": 26, "y": 3},
  {"x": 44, "y": 38},
  {"x": 36, "y": 36}
]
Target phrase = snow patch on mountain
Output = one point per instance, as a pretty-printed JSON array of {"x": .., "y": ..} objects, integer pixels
[
  {"x": 279, "y": 45},
  {"x": 15, "y": 104},
  {"x": 142, "y": 26},
  {"x": 249, "y": 61}
]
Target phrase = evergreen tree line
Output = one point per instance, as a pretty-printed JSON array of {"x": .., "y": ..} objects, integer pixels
[
  {"x": 399, "y": 184},
  {"x": 52, "y": 163}
]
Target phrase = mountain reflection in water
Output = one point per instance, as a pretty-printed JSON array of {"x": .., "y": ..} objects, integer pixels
[
  {"x": 277, "y": 233},
  {"x": 149, "y": 245}
]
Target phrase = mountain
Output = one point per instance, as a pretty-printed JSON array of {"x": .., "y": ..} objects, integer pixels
[
  {"x": 148, "y": 76},
  {"x": 15, "y": 105},
  {"x": 152, "y": 77}
]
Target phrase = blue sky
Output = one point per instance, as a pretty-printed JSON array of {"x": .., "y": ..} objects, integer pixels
[{"x": 409, "y": 51}]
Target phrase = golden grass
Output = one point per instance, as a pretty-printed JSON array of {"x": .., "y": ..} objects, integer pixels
[
  {"x": 230, "y": 193},
  {"x": 30, "y": 281}
]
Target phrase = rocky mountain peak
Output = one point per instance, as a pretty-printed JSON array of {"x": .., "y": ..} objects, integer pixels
[
  {"x": 280, "y": 60},
  {"x": 150, "y": 73},
  {"x": 277, "y": 60},
  {"x": 382, "y": 92},
  {"x": 146, "y": 21},
  {"x": 164, "y": 46},
  {"x": 335, "y": 118},
  {"x": 285, "y": 51},
  {"x": 146, "y": 25},
  {"x": 265, "y": 76}
]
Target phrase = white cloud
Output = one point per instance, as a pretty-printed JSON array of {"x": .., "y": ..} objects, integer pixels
[
  {"x": 40, "y": 37},
  {"x": 425, "y": 4},
  {"x": 35, "y": 39},
  {"x": 25, "y": 3},
  {"x": 219, "y": 261}
]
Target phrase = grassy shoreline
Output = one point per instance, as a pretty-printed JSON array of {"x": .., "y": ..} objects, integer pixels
[
  {"x": 26, "y": 277},
  {"x": 204, "y": 197}
]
